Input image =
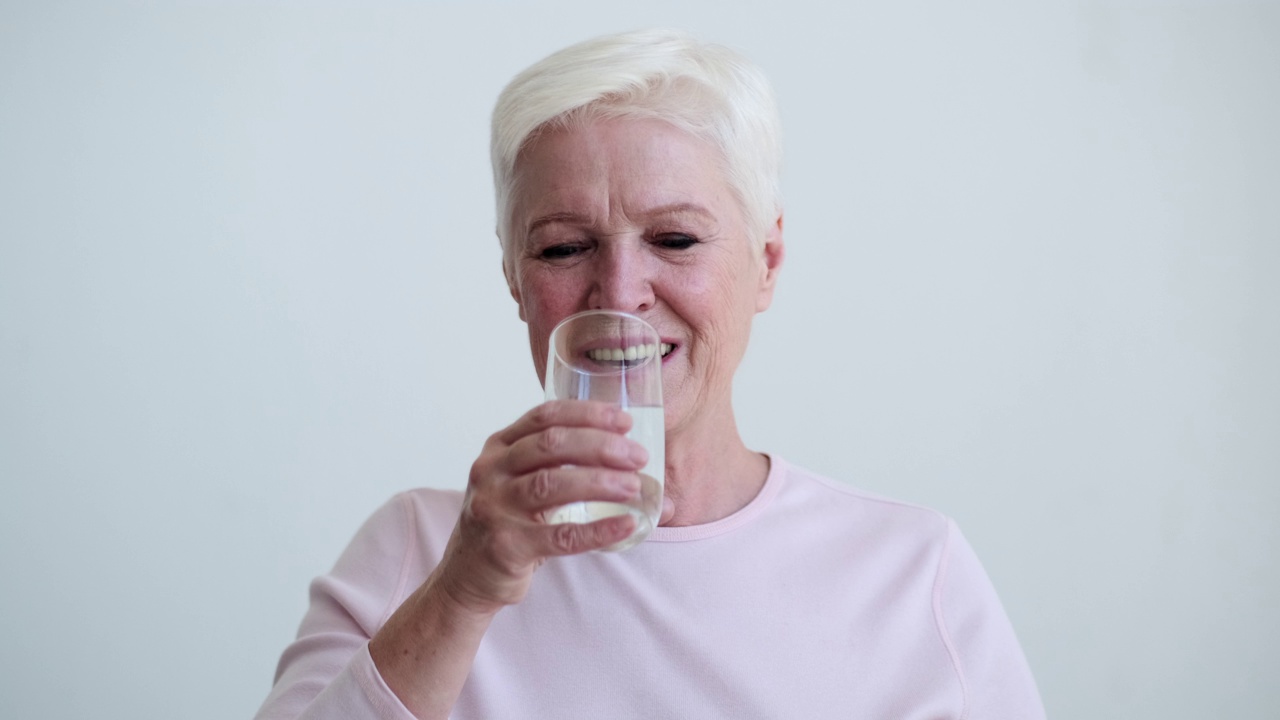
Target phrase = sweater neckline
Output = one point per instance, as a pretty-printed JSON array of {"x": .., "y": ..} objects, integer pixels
[{"x": 758, "y": 504}]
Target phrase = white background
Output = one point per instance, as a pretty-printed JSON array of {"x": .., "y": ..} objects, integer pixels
[{"x": 249, "y": 289}]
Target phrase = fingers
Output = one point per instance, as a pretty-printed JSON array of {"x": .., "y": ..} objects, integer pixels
[
  {"x": 573, "y": 538},
  {"x": 568, "y": 413},
  {"x": 558, "y": 453},
  {"x": 516, "y": 546},
  {"x": 550, "y": 487},
  {"x": 559, "y": 445}
]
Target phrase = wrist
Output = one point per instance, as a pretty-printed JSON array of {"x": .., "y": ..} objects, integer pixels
[{"x": 452, "y": 601}]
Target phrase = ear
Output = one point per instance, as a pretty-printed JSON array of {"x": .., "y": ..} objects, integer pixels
[
  {"x": 771, "y": 264},
  {"x": 513, "y": 287}
]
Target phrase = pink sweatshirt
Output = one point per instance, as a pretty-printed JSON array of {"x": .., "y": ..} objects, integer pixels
[{"x": 813, "y": 601}]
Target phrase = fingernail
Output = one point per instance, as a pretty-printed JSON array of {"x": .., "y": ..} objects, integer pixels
[
  {"x": 629, "y": 484},
  {"x": 639, "y": 455}
]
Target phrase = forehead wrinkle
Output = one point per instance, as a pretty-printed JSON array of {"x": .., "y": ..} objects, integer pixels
[
  {"x": 556, "y": 218},
  {"x": 620, "y": 215},
  {"x": 572, "y": 204},
  {"x": 616, "y": 190}
]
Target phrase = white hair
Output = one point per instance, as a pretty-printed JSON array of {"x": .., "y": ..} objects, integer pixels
[{"x": 707, "y": 90}]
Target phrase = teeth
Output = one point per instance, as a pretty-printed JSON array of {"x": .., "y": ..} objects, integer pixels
[{"x": 630, "y": 354}]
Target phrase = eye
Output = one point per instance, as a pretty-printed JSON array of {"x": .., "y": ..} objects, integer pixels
[
  {"x": 676, "y": 241},
  {"x": 561, "y": 251}
]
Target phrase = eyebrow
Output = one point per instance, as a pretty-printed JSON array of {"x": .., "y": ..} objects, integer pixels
[
  {"x": 680, "y": 209},
  {"x": 554, "y": 218},
  {"x": 572, "y": 218}
]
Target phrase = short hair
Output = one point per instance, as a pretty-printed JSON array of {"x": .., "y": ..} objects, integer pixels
[{"x": 704, "y": 89}]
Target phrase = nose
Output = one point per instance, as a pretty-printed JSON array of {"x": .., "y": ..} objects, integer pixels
[{"x": 621, "y": 277}]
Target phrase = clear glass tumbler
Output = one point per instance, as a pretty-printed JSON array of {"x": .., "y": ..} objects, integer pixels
[{"x": 614, "y": 357}]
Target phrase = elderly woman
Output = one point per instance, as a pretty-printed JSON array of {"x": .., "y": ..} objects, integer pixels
[{"x": 640, "y": 173}]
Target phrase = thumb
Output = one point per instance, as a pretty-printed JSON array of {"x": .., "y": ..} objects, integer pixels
[{"x": 668, "y": 510}]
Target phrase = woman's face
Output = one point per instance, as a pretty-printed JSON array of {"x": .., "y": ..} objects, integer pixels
[{"x": 635, "y": 215}]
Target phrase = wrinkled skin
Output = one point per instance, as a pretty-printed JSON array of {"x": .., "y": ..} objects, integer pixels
[{"x": 629, "y": 215}]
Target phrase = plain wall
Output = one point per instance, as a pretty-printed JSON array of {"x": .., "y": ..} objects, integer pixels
[{"x": 249, "y": 289}]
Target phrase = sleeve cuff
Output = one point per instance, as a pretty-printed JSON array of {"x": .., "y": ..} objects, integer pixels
[{"x": 384, "y": 703}]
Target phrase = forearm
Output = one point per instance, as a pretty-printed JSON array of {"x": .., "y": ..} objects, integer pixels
[
  {"x": 425, "y": 651},
  {"x": 561, "y": 452}
]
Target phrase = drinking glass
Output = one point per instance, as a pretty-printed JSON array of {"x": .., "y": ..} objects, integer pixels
[{"x": 614, "y": 357}]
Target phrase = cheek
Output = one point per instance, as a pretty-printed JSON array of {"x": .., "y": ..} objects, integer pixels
[
  {"x": 545, "y": 301},
  {"x": 719, "y": 310},
  {"x": 540, "y": 326},
  {"x": 722, "y": 296},
  {"x": 546, "y": 298}
]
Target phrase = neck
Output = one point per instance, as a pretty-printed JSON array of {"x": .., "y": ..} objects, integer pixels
[{"x": 710, "y": 473}]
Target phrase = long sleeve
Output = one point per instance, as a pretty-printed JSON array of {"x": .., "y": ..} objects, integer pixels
[
  {"x": 996, "y": 680},
  {"x": 327, "y": 673},
  {"x": 814, "y": 601}
]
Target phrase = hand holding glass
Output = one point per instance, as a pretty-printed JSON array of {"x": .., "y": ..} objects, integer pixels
[{"x": 614, "y": 357}]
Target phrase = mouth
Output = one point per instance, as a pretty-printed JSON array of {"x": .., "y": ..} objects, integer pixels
[{"x": 631, "y": 353}]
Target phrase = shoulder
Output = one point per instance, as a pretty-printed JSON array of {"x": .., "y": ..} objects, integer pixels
[
  {"x": 409, "y": 518},
  {"x": 393, "y": 551},
  {"x": 925, "y": 563},
  {"x": 429, "y": 508},
  {"x": 842, "y": 509}
]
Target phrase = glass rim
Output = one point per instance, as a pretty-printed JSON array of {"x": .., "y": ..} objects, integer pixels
[{"x": 576, "y": 365}]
